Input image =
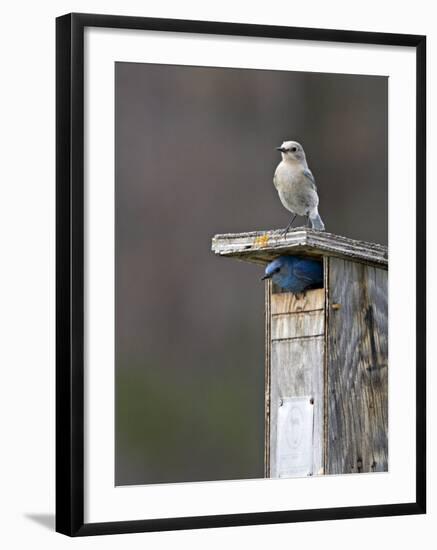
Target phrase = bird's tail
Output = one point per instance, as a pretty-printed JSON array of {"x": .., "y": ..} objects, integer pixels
[{"x": 316, "y": 222}]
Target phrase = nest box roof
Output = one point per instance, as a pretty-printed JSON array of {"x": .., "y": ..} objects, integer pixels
[{"x": 263, "y": 246}]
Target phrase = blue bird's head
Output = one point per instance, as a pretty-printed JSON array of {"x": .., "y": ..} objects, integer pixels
[
  {"x": 294, "y": 273},
  {"x": 274, "y": 267}
]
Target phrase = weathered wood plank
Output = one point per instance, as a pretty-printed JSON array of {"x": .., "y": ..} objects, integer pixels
[
  {"x": 267, "y": 375},
  {"x": 263, "y": 246},
  {"x": 305, "y": 324},
  {"x": 286, "y": 302},
  {"x": 357, "y": 369},
  {"x": 296, "y": 369}
]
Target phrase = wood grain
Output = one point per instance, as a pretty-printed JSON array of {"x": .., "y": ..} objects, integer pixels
[
  {"x": 357, "y": 369},
  {"x": 297, "y": 365},
  {"x": 298, "y": 325},
  {"x": 287, "y": 302},
  {"x": 263, "y": 246},
  {"x": 267, "y": 375}
]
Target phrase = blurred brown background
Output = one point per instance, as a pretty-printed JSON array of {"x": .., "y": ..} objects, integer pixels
[{"x": 195, "y": 156}]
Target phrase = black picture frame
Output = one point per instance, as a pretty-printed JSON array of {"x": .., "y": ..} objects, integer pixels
[{"x": 70, "y": 273}]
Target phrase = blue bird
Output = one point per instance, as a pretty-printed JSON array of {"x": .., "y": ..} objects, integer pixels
[{"x": 294, "y": 273}]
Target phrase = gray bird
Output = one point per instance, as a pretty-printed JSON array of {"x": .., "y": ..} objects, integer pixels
[{"x": 296, "y": 185}]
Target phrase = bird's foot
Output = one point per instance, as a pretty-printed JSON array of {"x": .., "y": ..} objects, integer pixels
[{"x": 289, "y": 225}]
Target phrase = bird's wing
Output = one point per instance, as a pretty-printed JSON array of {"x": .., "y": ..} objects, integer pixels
[
  {"x": 307, "y": 270},
  {"x": 309, "y": 175},
  {"x": 275, "y": 178}
]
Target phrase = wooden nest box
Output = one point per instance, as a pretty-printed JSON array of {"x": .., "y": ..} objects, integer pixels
[{"x": 326, "y": 373}]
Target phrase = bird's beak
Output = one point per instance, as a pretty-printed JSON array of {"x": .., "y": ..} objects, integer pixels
[
  {"x": 280, "y": 149},
  {"x": 265, "y": 277}
]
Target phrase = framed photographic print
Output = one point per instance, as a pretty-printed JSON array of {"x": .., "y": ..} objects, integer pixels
[{"x": 240, "y": 274}]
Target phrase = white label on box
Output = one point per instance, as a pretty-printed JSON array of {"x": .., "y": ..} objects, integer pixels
[{"x": 295, "y": 437}]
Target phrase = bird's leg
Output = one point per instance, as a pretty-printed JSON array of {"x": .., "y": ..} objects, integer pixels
[
  {"x": 308, "y": 221},
  {"x": 290, "y": 224}
]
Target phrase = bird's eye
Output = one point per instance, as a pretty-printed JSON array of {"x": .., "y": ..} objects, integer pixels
[
  {"x": 277, "y": 270},
  {"x": 293, "y": 149}
]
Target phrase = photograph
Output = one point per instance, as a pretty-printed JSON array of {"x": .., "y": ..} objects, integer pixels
[
  {"x": 215, "y": 275},
  {"x": 275, "y": 365},
  {"x": 240, "y": 303}
]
